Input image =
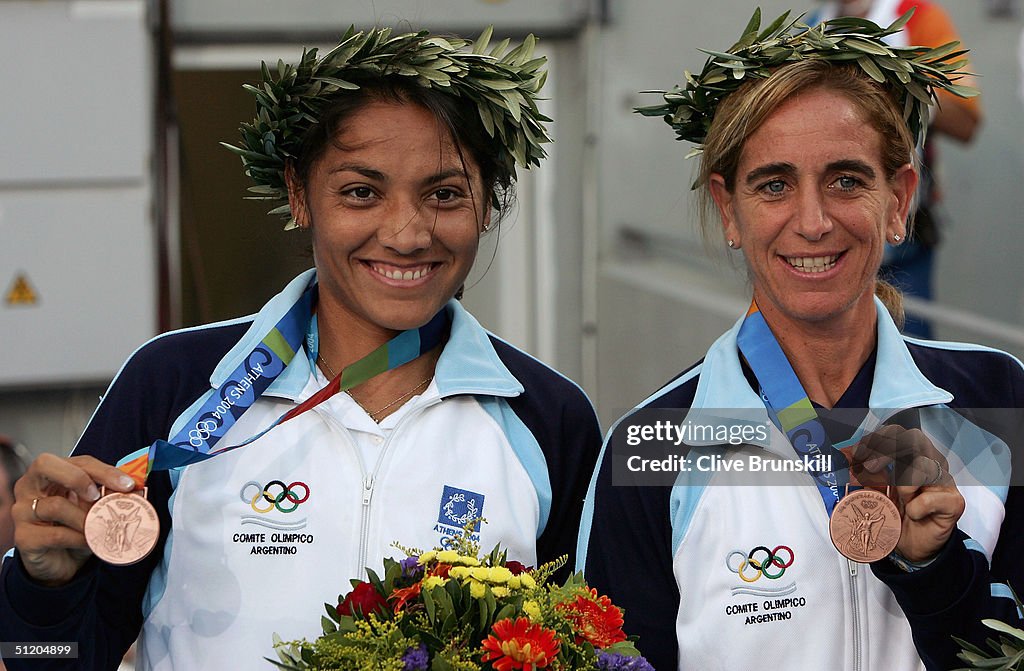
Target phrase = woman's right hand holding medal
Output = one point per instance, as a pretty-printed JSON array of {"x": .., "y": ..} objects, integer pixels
[
  {"x": 51, "y": 503},
  {"x": 929, "y": 502}
]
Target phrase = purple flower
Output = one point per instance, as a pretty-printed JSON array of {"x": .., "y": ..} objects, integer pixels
[
  {"x": 416, "y": 659},
  {"x": 613, "y": 661},
  {"x": 411, "y": 567}
]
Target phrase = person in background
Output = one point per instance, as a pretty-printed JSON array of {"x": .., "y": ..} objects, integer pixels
[
  {"x": 807, "y": 142},
  {"x": 14, "y": 460},
  {"x": 287, "y": 451},
  {"x": 910, "y": 266}
]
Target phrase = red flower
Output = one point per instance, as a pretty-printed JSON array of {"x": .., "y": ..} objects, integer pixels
[
  {"x": 595, "y": 619},
  {"x": 520, "y": 645},
  {"x": 441, "y": 570},
  {"x": 516, "y": 567},
  {"x": 362, "y": 601}
]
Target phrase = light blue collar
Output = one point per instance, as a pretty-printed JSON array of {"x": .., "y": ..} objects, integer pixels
[
  {"x": 468, "y": 364},
  {"x": 897, "y": 382}
]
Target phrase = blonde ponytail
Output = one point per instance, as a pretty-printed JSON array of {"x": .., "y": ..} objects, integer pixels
[{"x": 892, "y": 298}]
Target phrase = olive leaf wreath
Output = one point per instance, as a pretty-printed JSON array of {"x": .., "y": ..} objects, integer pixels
[
  {"x": 914, "y": 72},
  {"x": 502, "y": 83}
]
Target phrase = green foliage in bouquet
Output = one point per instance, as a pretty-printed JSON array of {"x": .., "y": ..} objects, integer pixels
[
  {"x": 1007, "y": 653},
  {"x": 457, "y": 610}
]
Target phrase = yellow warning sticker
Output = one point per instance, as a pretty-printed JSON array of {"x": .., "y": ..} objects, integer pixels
[{"x": 21, "y": 292}]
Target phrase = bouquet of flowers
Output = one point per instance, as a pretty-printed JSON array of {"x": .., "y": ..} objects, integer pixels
[{"x": 455, "y": 610}]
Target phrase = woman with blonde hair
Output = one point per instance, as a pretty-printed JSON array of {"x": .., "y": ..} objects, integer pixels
[{"x": 835, "y": 443}]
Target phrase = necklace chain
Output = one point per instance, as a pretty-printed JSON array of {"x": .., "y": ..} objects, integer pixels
[
  {"x": 330, "y": 371},
  {"x": 374, "y": 414}
]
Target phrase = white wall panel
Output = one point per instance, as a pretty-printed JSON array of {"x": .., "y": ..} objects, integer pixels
[
  {"x": 75, "y": 210},
  {"x": 74, "y": 90},
  {"x": 87, "y": 254},
  {"x": 539, "y": 16}
]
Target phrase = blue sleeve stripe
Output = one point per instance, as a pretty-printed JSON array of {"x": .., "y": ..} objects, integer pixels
[
  {"x": 587, "y": 519},
  {"x": 961, "y": 347},
  {"x": 985, "y": 456},
  {"x": 527, "y": 449},
  {"x": 972, "y": 544},
  {"x": 1001, "y": 590},
  {"x": 158, "y": 579},
  {"x": 686, "y": 495},
  {"x": 586, "y": 522}
]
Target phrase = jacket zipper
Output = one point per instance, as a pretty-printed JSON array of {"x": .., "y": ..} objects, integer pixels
[
  {"x": 364, "y": 518},
  {"x": 854, "y": 603},
  {"x": 369, "y": 478}
]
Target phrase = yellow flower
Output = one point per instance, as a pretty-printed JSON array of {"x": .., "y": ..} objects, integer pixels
[
  {"x": 479, "y": 573},
  {"x": 521, "y": 581},
  {"x": 427, "y": 557},
  {"x": 459, "y": 572},
  {"x": 498, "y": 575},
  {"x": 532, "y": 610},
  {"x": 477, "y": 589},
  {"x": 500, "y": 591},
  {"x": 447, "y": 556},
  {"x": 433, "y": 581},
  {"x": 453, "y": 557}
]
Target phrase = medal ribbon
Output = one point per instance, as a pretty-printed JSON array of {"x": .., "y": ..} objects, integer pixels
[
  {"x": 787, "y": 402},
  {"x": 197, "y": 440}
]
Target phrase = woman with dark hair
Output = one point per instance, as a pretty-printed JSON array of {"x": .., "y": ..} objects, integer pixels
[
  {"x": 827, "y": 440},
  {"x": 285, "y": 452}
]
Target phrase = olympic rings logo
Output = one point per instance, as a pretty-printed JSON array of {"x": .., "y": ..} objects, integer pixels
[
  {"x": 202, "y": 432},
  {"x": 771, "y": 564},
  {"x": 276, "y": 495}
]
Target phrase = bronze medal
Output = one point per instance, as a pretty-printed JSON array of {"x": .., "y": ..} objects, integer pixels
[
  {"x": 865, "y": 526},
  {"x": 122, "y": 529}
]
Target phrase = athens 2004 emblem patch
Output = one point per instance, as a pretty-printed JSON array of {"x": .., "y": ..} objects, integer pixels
[{"x": 457, "y": 508}]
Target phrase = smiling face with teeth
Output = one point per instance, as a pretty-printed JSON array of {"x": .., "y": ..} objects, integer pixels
[
  {"x": 811, "y": 207},
  {"x": 395, "y": 212}
]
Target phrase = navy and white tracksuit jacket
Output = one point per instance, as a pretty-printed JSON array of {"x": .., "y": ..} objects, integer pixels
[
  {"x": 497, "y": 435},
  {"x": 669, "y": 555}
]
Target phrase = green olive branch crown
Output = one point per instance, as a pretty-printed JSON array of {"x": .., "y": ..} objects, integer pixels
[
  {"x": 914, "y": 72},
  {"x": 502, "y": 83}
]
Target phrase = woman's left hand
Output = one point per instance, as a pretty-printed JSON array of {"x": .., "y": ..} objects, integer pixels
[{"x": 928, "y": 499}]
